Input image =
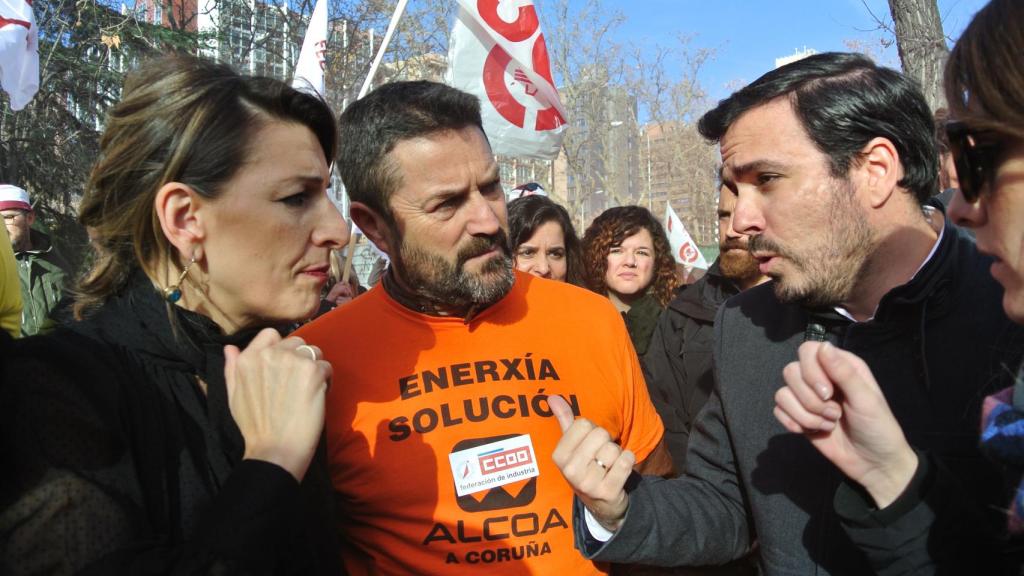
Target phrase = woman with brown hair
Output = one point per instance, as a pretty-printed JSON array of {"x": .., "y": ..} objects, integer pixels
[
  {"x": 985, "y": 89},
  {"x": 543, "y": 239},
  {"x": 627, "y": 258},
  {"x": 172, "y": 429}
]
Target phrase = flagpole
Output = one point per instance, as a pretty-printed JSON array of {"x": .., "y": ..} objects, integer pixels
[
  {"x": 348, "y": 258},
  {"x": 399, "y": 10}
]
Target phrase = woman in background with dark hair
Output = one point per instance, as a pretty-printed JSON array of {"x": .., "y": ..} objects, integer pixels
[
  {"x": 544, "y": 242},
  {"x": 627, "y": 258},
  {"x": 172, "y": 430}
]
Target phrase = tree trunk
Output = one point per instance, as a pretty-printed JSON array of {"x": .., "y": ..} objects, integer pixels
[{"x": 922, "y": 45}]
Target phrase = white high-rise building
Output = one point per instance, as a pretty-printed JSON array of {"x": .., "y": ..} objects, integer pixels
[
  {"x": 796, "y": 55},
  {"x": 254, "y": 36}
]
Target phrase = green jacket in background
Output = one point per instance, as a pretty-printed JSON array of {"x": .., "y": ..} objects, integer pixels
[{"x": 42, "y": 272}]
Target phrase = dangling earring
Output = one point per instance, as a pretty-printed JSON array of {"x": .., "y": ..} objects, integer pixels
[{"x": 173, "y": 292}]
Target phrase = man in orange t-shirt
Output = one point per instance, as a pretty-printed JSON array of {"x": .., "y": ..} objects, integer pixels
[{"x": 439, "y": 433}]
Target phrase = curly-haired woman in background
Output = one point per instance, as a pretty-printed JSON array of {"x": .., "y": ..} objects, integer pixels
[{"x": 627, "y": 258}]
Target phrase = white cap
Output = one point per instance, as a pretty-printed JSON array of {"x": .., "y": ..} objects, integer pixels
[{"x": 14, "y": 197}]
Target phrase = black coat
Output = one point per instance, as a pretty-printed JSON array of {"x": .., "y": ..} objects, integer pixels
[
  {"x": 677, "y": 365},
  {"x": 115, "y": 462},
  {"x": 937, "y": 345}
]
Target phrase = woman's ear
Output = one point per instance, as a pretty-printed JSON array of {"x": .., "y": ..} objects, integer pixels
[{"x": 178, "y": 207}]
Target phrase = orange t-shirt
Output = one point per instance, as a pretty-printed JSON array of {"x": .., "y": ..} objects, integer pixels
[{"x": 411, "y": 389}]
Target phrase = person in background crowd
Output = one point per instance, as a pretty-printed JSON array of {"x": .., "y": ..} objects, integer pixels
[
  {"x": 627, "y": 257},
  {"x": 948, "y": 182},
  {"x": 169, "y": 430},
  {"x": 833, "y": 160},
  {"x": 377, "y": 271},
  {"x": 947, "y": 169},
  {"x": 923, "y": 530},
  {"x": 544, "y": 241},
  {"x": 436, "y": 439},
  {"x": 41, "y": 269},
  {"x": 677, "y": 365},
  {"x": 10, "y": 290},
  {"x": 344, "y": 292},
  {"x": 524, "y": 190},
  {"x": 340, "y": 293},
  {"x": 688, "y": 274}
]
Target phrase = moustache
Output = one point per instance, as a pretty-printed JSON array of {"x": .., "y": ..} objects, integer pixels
[
  {"x": 733, "y": 244},
  {"x": 482, "y": 245},
  {"x": 761, "y": 244}
]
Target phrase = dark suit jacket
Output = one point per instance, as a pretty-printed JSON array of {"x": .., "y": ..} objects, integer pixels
[{"x": 937, "y": 346}]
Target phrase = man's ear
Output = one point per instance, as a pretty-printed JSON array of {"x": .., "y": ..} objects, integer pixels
[
  {"x": 30, "y": 217},
  {"x": 374, "y": 226},
  {"x": 178, "y": 207},
  {"x": 881, "y": 169}
]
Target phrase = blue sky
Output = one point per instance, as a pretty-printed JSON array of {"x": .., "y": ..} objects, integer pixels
[{"x": 748, "y": 35}]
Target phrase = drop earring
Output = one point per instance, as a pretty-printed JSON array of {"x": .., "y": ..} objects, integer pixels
[{"x": 173, "y": 292}]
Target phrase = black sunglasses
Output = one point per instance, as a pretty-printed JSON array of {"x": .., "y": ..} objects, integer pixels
[{"x": 975, "y": 160}]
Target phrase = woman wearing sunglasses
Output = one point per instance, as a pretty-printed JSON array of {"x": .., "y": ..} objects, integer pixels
[
  {"x": 985, "y": 88},
  {"x": 921, "y": 531}
]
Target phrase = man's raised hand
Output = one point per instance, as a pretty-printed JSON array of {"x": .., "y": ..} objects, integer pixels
[{"x": 594, "y": 466}]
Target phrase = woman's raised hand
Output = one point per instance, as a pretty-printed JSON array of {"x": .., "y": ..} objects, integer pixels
[{"x": 276, "y": 389}]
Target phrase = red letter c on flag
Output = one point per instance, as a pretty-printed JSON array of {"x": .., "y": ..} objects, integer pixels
[{"x": 524, "y": 26}]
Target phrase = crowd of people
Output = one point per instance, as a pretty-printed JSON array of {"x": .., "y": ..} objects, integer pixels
[{"x": 841, "y": 393}]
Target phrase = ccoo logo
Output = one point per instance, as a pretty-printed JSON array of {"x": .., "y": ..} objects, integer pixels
[{"x": 500, "y": 497}]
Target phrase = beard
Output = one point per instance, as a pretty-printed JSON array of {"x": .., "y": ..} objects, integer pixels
[
  {"x": 736, "y": 262},
  {"x": 19, "y": 239},
  {"x": 826, "y": 271},
  {"x": 437, "y": 280}
]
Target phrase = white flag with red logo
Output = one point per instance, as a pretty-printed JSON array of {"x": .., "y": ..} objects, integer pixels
[
  {"x": 497, "y": 52},
  {"x": 309, "y": 71},
  {"x": 683, "y": 246},
  {"x": 19, "y": 52}
]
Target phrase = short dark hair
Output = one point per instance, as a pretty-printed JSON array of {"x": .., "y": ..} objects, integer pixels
[
  {"x": 371, "y": 127},
  {"x": 528, "y": 213},
  {"x": 844, "y": 100}
]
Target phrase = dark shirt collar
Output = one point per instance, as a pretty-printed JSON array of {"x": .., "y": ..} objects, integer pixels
[
  {"x": 179, "y": 342},
  {"x": 419, "y": 303}
]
